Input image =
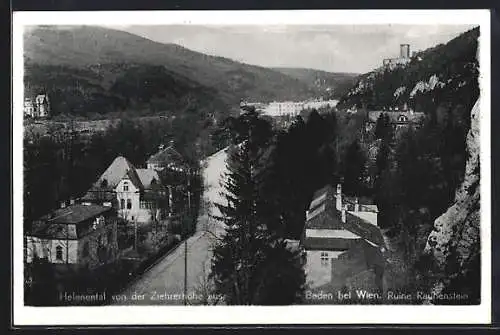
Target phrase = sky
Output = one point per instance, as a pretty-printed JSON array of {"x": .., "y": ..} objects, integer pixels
[{"x": 334, "y": 48}]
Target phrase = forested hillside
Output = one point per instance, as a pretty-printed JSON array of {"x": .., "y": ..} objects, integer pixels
[
  {"x": 134, "y": 89},
  {"x": 76, "y": 64}
]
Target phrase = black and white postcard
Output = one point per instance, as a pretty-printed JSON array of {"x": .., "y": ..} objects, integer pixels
[{"x": 291, "y": 167}]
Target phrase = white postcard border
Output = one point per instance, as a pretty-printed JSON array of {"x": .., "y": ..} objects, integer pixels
[{"x": 175, "y": 315}]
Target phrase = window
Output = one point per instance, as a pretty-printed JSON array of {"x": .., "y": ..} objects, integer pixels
[
  {"x": 129, "y": 204},
  {"x": 125, "y": 187},
  {"x": 104, "y": 183},
  {"x": 324, "y": 259},
  {"x": 59, "y": 253},
  {"x": 85, "y": 251},
  {"x": 122, "y": 203}
]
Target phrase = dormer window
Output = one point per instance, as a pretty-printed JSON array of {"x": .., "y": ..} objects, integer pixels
[{"x": 125, "y": 186}]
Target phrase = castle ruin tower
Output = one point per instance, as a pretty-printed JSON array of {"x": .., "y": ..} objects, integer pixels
[{"x": 404, "y": 51}]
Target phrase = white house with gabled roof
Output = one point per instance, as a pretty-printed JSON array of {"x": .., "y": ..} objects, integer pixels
[{"x": 334, "y": 225}]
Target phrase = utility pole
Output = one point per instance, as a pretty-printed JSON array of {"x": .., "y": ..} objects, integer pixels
[
  {"x": 185, "y": 269},
  {"x": 135, "y": 234},
  {"x": 186, "y": 237},
  {"x": 67, "y": 243}
]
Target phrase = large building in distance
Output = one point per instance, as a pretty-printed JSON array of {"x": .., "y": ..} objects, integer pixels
[
  {"x": 289, "y": 108},
  {"x": 37, "y": 108}
]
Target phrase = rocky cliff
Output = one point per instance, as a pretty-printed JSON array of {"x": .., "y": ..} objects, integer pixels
[{"x": 454, "y": 243}]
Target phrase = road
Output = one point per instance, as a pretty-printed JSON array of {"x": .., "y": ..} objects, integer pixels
[{"x": 163, "y": 283}]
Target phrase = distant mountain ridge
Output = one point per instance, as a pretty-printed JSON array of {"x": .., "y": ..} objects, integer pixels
[{"x": 100, "y": 55}]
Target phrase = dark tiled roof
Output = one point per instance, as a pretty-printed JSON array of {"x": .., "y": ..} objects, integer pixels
[
  {"x": 74, "y": 214},
  {"x": 328, "y": 243},
  {"x": 364, "y": 229},
  {"x": 324, "y": 215},
  {"x": 69, "y": 222},
  {"x": 327, "y": 218},
  {"x": 54, "y": 231},
  {"x": 134, "y": 179}
]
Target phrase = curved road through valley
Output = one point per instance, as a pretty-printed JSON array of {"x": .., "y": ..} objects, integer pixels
[{"x": 163, "y": 283}]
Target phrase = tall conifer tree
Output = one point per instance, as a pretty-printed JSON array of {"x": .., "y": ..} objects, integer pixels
[{"x": 251, "y": 264}]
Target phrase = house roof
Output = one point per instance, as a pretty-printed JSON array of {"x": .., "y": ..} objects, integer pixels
[
  {"x": 133, "y": 176},
  {"x": 66, "y": 223},
  {"x": 75, "y": 214},
  {"x": 103, "y": 189},
  {"x": 328, "y": 243},
  {"x": 364, "y": 229},
  {"x": 54, "y": 231},
  {"x": 115, "y": 172},
  {"x": 165, "y": 156},
  {"x": 146, "y": 176},
  {"x": 325, "y": 216}
]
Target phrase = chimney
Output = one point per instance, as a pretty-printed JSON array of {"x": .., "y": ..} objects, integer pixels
[
  {"x": 356, "y": 205},
  {"x": 171, "y": 143},
  {"x": 339, "y": 197},
  {"x": 63, "y": 204},
  {"x": 344, "y": 209},
  {"x": 71, "y": 201}
]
